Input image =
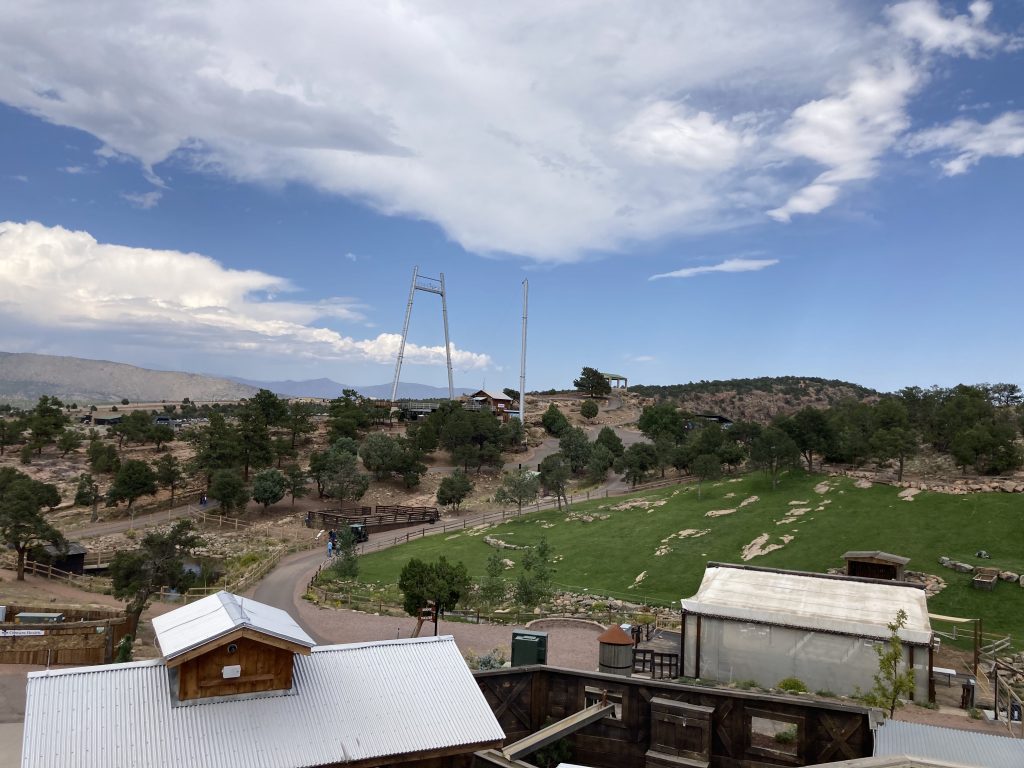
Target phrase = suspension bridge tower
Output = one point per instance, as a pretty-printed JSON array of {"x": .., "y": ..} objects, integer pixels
[{"x": 427, "y": 285}]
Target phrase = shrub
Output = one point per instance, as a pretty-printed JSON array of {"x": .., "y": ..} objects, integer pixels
[
  {"x": 792, "y": 685},
  {"x": 746, "y": 685},
  {"x": 825, "y": 693},
  {"x": 787, "y": 736},
  {"x": 974, "y": 713},
  {"x": 493, "y": 659}
]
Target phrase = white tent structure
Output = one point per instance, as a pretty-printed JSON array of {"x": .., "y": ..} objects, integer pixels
[{"x": 765, "y": 625}]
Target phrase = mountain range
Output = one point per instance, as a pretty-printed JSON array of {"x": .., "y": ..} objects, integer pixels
[
  {"x": 328, "y": 388},
  {"x": 25, "y": 377}
]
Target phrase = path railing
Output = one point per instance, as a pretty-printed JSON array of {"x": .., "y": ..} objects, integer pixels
[
  {"x": 476, "y": 521},
  {"x": 239, "y": 584},
  {"x": 46, "y": 571}
]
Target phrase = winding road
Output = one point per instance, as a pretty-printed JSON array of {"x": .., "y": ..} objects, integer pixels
[{"x": 285, "y": 586}]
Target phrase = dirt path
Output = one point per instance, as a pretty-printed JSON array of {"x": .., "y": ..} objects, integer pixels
[{"x": 120, "y": 525}]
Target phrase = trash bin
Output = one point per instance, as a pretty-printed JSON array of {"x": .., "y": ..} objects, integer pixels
[{"x": 529, "y": 647}]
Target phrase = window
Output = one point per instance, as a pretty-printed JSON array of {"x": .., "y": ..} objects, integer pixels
[
  {"x": 775, "y": 735},
  {"x": 593, "y": 696}
]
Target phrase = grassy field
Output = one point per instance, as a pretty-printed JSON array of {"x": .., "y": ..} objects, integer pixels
[{"x": 608, "y": 554}]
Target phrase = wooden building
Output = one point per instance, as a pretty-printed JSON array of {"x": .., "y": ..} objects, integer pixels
[
  {"x": 875, "y": 564},
  {"x": 498, "y": 403},
  {"x": 240, "y": 684}
]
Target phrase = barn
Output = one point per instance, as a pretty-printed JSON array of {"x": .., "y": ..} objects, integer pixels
[
  {"x": 240, "y": 684},
  {"x": 765, "y": 625}
]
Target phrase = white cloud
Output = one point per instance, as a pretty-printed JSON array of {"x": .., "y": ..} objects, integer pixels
[
  {"x": 971, "y": 141},
  {"x": 351, "y": 256},
  {"x": 641, "y": 358},
  {"x": 667, "y": 132},
  {"x": 548, "y": 130},
  {"x": 729, "y": 265},
  {"x": 144, "y": 200},
  {"x": 73, "y": 169},
  {"x": 848, "y": 133},
  {"x": 54, "y": 278},
  {"x": 924, "y": 22}
]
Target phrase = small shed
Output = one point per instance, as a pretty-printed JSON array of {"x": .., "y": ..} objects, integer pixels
[
  {"x": 765, "y": 624},
  {"x": 615, "y": 652},
  {"x": 875, "y": 564},
  {"x": 71, "y": 560}
]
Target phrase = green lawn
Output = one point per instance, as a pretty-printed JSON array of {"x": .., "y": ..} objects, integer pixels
[{"x": 606, "y": 555}]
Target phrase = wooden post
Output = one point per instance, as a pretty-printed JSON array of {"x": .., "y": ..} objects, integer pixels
[{"x": 696, "y": 655}]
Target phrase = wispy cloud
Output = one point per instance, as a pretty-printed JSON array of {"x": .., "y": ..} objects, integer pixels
[
  {"x": 351, "y": 256},
  {"x": 144, "y": 200},
  {"x": 729, "y": 265},
  {"x": 970, "y": 141},
  {"x": 73, "y": 169},
  {"x": 54, "y": 278},
  {"x": 20, "y": 177},
  {"x": 641, "y": 358}
]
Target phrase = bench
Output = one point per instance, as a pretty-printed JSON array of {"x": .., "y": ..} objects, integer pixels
[{"x": 949, "y": 674}]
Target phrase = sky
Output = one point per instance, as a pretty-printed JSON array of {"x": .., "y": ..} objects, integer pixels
[{"x": 693, "y": 190}]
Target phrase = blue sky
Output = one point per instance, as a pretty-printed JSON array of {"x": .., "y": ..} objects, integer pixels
[{"x": 693, "y": 192}]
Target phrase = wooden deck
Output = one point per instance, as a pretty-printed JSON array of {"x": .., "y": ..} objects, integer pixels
[{"x": 663, "y": 723}]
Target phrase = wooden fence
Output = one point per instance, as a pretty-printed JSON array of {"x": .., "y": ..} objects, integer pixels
[
  {"x": 47, "y": 571},
  {"x": 77, "y": 642},
  {"x": 240, "y": 584},
  {"x": 658, "y": 665}
]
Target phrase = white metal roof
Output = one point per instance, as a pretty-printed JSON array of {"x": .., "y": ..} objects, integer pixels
[
  {"x": 982, "y": 750},
  {"x": 198, "y": 623},
  {"x": 349, "y": 703},
  {"x": 811, "y": 601}
]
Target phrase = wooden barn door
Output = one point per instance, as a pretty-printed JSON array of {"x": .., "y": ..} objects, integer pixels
[{"x": 680, "y": 734}]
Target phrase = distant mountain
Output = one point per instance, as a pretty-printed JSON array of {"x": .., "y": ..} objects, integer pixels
[
  {"x": 759, "y": 399},
  {"x": 328, "y": 388},
  {"x": 25, "y": 377}
]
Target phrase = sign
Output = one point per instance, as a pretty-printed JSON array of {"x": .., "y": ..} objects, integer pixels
[{"x": 21, "y": 632}]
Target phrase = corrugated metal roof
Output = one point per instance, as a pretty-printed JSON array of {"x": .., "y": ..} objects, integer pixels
[
  {"x": 809, "y": 601},
  {"x": 198, "y": 623},
  {"x": 963, "y": 747},
  {"x": 349, "y": 703}
]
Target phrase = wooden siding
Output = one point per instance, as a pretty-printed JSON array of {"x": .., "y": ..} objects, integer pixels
[
  {"x": 524, "y": 699},
  {"x": 79, "y": 643},
  {"x": 264, "y": 668}
]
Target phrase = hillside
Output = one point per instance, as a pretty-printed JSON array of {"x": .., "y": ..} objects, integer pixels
[
  {"x": 25, "y": 377},
  {"x": 760, "y": 399}
]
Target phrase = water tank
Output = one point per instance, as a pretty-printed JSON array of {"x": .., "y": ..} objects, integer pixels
[{"x": 615, "y": 652}]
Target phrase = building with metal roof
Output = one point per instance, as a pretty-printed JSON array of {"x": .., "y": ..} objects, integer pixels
[
  {"x": 244, "y": 689},
  {"x": 967, "y": 748},
  {"x": 764, "y": 624},
  {"x": 204, "y": 621}
]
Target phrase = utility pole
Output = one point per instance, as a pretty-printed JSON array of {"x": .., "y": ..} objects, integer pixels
[{"x": 522, "y": 362}]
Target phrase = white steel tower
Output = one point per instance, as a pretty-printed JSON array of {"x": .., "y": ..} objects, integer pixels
[{"x": 429, "y": 285}]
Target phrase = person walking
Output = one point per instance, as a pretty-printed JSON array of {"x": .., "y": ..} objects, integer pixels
[{"x": 330, "y": 548}]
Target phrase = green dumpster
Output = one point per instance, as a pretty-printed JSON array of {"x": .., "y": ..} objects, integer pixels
[{"x": 529, "y": 647}]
